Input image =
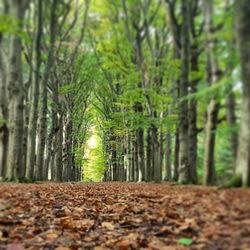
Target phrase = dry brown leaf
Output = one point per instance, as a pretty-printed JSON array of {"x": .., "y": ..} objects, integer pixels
[
  {"x": 108, "y": 225},
  {"x": 15, "y": 247}
]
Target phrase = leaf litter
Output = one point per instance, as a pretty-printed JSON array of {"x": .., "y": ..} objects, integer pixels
[{"x": 123, "y": 216}]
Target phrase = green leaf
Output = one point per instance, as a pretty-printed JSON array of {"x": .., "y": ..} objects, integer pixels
[{"x": 185, "y": 241}]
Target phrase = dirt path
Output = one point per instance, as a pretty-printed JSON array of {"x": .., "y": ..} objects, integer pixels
[{"x": 123, "y": 216}]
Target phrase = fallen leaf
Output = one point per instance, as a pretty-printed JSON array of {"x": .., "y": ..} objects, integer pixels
[
  {"x": 15, "y": 247},
  {"x": 108, "y": 225}
]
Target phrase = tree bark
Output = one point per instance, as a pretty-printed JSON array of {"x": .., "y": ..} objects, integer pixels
[
  {"x": 243, "y": 36},
  {"x": 192, "y": 129},
  {"x": 4, "y": 113},
  {"x": 213, "y": 75},
  {"x": 150, "y": 171},
  {"x": 43, "y": 93},
  {"x": 184, "y": 168},
  {"x": 16, "y": 93},
  {"x": 32, "y": 127},
  {"x": 168, "y": 176}
]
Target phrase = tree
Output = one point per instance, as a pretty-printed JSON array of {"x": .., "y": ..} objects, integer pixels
[
  {"x": 243, "y": 36},
  {"x": 14, "y": 161}
]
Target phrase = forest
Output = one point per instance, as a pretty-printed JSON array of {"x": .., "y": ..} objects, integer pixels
[
  {"x": 128, "y": 119},
  {"x": 115, "y": 90}
]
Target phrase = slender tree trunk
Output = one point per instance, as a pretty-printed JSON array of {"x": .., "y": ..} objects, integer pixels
[
  {"x": 141, "y": 160},
  {"x": 69, "y": 148},
  {"x": 192, "y": 130},
  {"x": 135, "y": 159},
  {"x": 243, "y": 36},
  {"x": 4, "y": 113},
  {"x": 213, "y": 75},
  {"x": 127, "y": 156},
  {"x": 231, "y": 119},
  {"x": 176, "y": 156},
  {"x": 32, "y": 127},
  {"x": 161, "y": 154},
  {"x": 155, "y": 155},
  {"x": 184, "y": 168},
  {"x": 168, "y": 175},
  {"x": 210, "y": 128},
  {"x": 59, "y": 149},
  {"x": 43, "y": 93},
  {"x": 149, "y": 155},
  {"x": 133, "y": 155},
  {"x": 48, "y": 156}
]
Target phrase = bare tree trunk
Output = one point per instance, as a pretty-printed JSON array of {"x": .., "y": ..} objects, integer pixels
[
  {"x": 68, "y": 161},
  {"x": 192, "y": 130},
  {"x": 16, "y": 93},
  {"x": 59, "y": 149},
  {"x": 32, "y": 127},
  {"x": 156, "y": 150},
  {"x": 243, "y": 36},
  {"x": 4, "y": 113},
  {"x": 161, "y": 153},
  {"x": 213, "y": 75},
  {"x": 210, "y": 128},
  {"x": 141, "y": 160},
  {"x": 132, "y": 153},
  {"x": 184, "y": 168},
  {"x": 43, "y": 93},
  {"x": 149, "y": 156},
  {"x": 176, "y": 156},
  {"x": 168, "y": 176}
]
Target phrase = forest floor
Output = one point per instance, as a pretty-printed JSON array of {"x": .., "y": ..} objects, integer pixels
[{"x": 123, "y": 216}]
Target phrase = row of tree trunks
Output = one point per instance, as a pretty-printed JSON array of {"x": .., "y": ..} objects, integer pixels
[
  {"x": 36, "y": 124},
  {"x": 186, "y": 34}
]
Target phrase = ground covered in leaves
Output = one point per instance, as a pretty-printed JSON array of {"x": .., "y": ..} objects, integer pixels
[{"x": 123, "y": 216}]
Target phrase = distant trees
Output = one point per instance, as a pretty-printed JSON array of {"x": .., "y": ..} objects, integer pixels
[{"x": 196, "y": 110}]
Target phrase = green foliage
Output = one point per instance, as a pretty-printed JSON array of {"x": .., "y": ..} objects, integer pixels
[
  {"x": 11, "y": 25},
  {"x": 185, "y": 241},
  {"x": 2, "y": 121},
  {"x": 235, "y": 181},
  {"x": 94, "y": 163}
]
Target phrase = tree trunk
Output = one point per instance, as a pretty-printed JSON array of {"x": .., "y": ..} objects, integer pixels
[
  {"x": 168, "y": 175},
  {"x": 243, "y": 36},
  {"x": 4, "y": 113},
  {"x": 43, "y": 93},
  {"x": 149, "y": 156},
  {"x": 210, "y": 128},
  {"x": 59, "y": 149},
  {"x": 176, "y": 156},
  {"x": 141, "y": 160},
  {"x": 155, "y": 154},
  {"x": 192, "y": 130},
  {"x": 184, "y": 168},
  {"x": 231, "y": 119},
  {"x": 32, "y": 127},
  {"x": 213, "y": 75},
  {"x": 16, "y": 93}
]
